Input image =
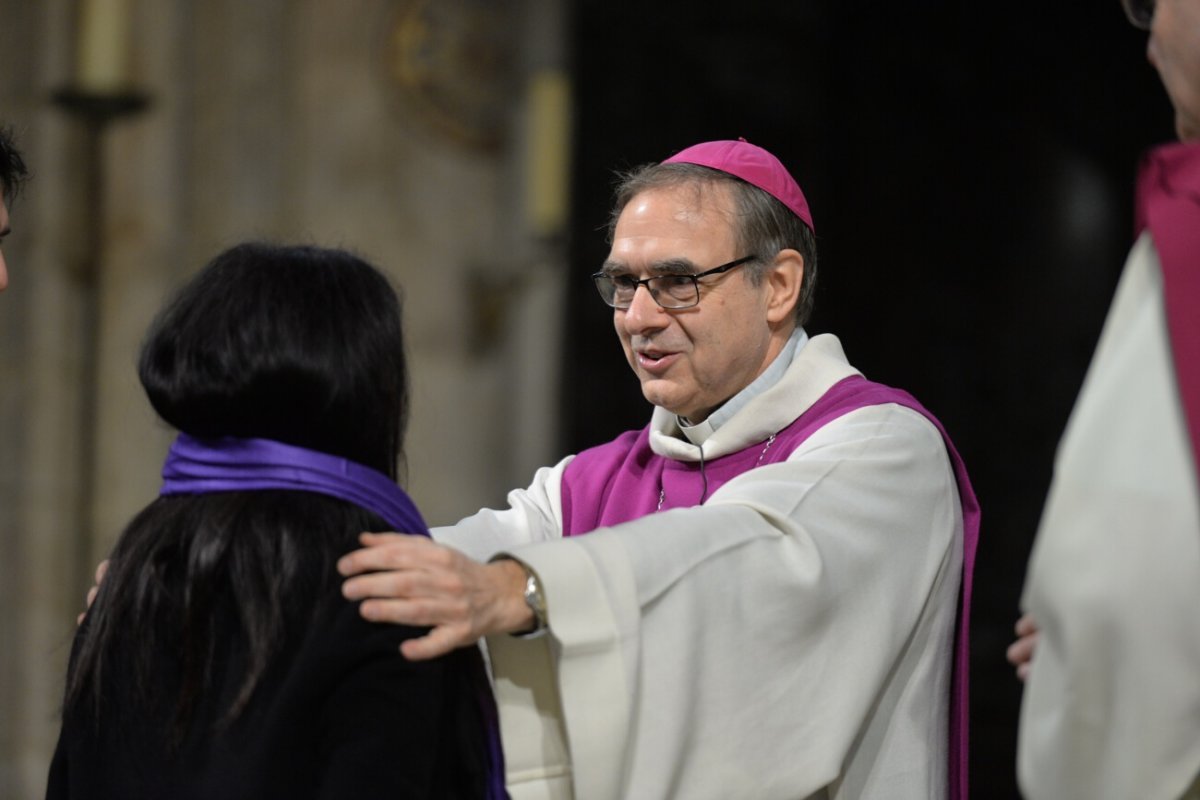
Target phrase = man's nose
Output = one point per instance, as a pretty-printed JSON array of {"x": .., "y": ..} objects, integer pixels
[{"x": 644, "y": 312}]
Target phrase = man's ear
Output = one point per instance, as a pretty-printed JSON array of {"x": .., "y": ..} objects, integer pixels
[{"x": 783, "y": 279}]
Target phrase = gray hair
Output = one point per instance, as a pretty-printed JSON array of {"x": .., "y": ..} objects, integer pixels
[{"x": 763, "y": 225}]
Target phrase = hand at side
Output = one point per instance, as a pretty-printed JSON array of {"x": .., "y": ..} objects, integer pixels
[{"x": 1020, "y": 652}]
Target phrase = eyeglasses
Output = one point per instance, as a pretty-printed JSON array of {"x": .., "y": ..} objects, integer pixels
[
  {"x": 669, "y": 291},
  {"x": 1140, "y": 12}
]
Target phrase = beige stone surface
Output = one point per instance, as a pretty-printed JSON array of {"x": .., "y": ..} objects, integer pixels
[{"x": 272, "y": 119}]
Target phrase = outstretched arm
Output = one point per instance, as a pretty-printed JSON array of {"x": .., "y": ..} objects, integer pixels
[{"x": 691, "y": 648}]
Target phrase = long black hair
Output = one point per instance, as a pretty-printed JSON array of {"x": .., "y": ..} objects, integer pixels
[{"x": 298, "y": 344}]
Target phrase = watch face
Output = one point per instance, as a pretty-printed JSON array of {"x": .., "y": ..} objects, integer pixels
[{"x": 534, "y": 599}]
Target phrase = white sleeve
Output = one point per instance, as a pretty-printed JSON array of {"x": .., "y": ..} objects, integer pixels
[
  {"x": 534, "y": 514},
  {"x": 758, "y": 645}
]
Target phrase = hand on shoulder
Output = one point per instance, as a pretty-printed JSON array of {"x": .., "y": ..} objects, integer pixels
[
  {"x": 412, "y": 580},
  {"x": 101, "y": 568}
]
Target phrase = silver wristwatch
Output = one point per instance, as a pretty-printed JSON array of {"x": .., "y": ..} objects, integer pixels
[{"x": 534, "y": 598}]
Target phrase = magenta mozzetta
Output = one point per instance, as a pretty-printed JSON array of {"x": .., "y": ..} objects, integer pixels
[
  {"x": 1168, "y": 203},
  {"x": 625, "y": 480}
]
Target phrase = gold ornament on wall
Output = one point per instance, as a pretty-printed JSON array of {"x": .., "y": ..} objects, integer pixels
[{"x": 454, "y": 63}]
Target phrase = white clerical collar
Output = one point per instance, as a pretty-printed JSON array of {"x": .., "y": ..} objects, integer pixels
[{"x": 696, "y": 434}]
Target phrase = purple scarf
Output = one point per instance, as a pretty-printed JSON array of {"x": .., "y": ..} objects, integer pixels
[
  {"x": 202, "y": 466},
  {"x": 228, "y": 464}
]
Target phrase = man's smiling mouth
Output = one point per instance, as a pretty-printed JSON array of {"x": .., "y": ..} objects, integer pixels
[{"x": 655, "y": 360}]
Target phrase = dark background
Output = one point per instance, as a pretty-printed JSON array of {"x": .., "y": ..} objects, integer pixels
[{"x": 970, "y": 172}]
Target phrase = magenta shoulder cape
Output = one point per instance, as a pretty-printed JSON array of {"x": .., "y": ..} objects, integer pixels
[{"x": 625, "y": 480}]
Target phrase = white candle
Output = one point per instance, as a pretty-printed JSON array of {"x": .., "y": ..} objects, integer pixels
[{"x": 102, "y": 59}]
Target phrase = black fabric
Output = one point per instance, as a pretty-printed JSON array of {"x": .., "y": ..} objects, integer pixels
[{"x": 342, "y": 715}]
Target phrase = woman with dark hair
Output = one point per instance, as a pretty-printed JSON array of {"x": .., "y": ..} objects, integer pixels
[{"x": 219, "y": 659}]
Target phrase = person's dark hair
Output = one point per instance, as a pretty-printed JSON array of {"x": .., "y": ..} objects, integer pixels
[
  {"x": 763, "y": 225},
  {"x": 298, "y": 344},
  {"x": 12, "y": 168}
]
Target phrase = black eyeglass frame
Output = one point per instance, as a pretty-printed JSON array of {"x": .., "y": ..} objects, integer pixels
[
  {"x": 607, "y": 284},
  {"x": 1140, "y": 12}
]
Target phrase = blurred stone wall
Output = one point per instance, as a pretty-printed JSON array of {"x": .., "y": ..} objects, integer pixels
[{"x": 402, "y": 129}]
